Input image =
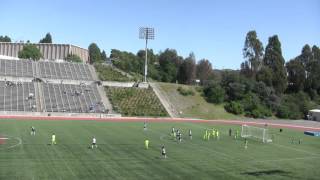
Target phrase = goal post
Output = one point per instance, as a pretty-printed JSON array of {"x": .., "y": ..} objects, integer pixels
[{"x": 255, "y": 132}]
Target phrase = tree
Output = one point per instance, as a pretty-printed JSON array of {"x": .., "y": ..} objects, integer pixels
[
  {"x": 73, "y": 58},
  {"x": 5, "y": 39},
  {"x": 316, "y": 53},
  {"x": 153, "y": 63},
  {"x": 30, "y": 51},
  {"x": 214, "y": 94},
  {"x": 306, "y": 56},
  {"x": 253, "y": 52},
  {"x": 169, "y": 62},
  {"x": 274, "y": 60},
  {"x": 204, "y": 70},
  {"x": 104, "y": 56},
  {"x": 187, "y": 70},
  {"x": 296, "y": 75},
  {"x": 46, "y": 39},
  {"x": 94, "y": 53}
]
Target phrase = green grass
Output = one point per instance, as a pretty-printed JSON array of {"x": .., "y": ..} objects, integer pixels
[
  {"x": 135, "y": 102},
  {"x": 107, "y": 73},
  {"x": 194, "y": 106},
  {"x": 121, "y": 153}
]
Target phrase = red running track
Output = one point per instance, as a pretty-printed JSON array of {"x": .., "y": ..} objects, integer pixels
[{"x": 142, "y": 119}]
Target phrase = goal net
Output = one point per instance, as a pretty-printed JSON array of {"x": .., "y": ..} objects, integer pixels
[{"x": 255, "y": 132}]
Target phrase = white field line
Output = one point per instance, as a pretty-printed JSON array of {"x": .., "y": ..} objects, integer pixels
[
  {"x": 239, "y": 122},
  {"x": 12, "y": 146}
]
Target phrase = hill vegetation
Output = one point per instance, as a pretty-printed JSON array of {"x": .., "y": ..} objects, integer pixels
[
  {"x": 193, "y": 104},
  {"x": 265, "y": 86},
  {"x": 135, "y": 102},
  {"x": 107, "y": 73}
]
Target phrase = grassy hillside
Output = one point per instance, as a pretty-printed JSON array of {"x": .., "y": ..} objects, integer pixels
[
  {"x": 121, "y": 153},
  {"x": 107, "y": 73},
  {"x": 193, "y": 106},
  {"x": 135, "y": 102}
]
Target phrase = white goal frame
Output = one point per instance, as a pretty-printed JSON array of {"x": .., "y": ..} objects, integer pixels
[{"x": 255, "y": 132}]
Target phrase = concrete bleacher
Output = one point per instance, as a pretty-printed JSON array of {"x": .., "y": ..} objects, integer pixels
[
  {"x": 72, "y": 98},
  {"x": 16, "y": 68},
  {"x": 55, "y": 87},
  {"x": 74, "y": 71},
  {"x": 17, "y": 96}
]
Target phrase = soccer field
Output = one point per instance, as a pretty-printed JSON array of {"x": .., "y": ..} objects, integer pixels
[{"x": 121, "y": 153}]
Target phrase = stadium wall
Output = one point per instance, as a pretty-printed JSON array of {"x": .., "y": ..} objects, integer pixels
[{"x": 48, "y": 50}]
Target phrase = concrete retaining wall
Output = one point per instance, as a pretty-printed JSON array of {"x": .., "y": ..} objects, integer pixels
[{"x": 48, "y": 50}]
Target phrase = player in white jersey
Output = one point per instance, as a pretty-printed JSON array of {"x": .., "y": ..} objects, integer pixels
[{"x": 94, "y": 142}]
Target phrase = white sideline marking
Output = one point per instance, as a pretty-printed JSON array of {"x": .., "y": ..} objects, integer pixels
[{"x": 4, "y": 138}]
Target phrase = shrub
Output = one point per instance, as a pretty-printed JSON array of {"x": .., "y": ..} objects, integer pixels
[
  {"x": 259, "y": 112},
  {"x": 185, "y": 92},
  {"x": 73, "y": 58},
  {"x": 107, "y": 73},
  {"x": 234, "y": 107},
  {"x": 135, "y": 101},
  {"x": 214, "y": 94}
]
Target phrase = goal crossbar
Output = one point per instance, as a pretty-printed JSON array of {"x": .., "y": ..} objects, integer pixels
[{"x": 255, "y": 132}]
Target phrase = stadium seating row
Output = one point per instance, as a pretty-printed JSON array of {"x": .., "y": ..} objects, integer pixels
[
  {"x": 16, "y": 68},
  {"x": 17, "y": 97},
  {"x": 56, "y": 97},
  {"x": 45, "y": 69},
  {"x": 72, "y": 98},
  {"x": 53, "y": 70}
]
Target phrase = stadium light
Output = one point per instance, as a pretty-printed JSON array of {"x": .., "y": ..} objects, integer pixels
[{"x": 146, "y": 33}]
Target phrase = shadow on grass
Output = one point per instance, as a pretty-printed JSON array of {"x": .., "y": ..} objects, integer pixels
[{"x": 267, "y": 172}]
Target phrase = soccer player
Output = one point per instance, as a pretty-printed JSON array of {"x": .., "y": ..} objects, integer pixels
[
  {"x": 53, "y": 139},
  {"x": 245, "y": 143},
  {"x": 208, "y": 135},
  {"x": 230, "y": 132},
  {"x": 145, "y": 126},
  {"x": 94, "y": 142},
  {"x": 236, "y": 134},
  {"x": 177, "y": 134},
  {"x": 190, "y": 134},
  {"x": 213, "y": 133},
  {"x": 205, "y": 135},
  {"x": 163, "y": 152},
  {"x": 217, "y": 134},
  {"x": 146, "y": 144},
  {"x": 179, "y": 137},
  {"x": 172, "y": 131},
  {"x": 33, "y": 130}
]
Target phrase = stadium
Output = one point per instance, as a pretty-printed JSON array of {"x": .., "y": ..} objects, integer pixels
[
  {"x": 152, "y": 112},
  {"x": 68, "y": 100}
]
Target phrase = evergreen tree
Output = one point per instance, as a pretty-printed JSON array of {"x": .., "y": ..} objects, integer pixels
[
  {"x": 253, "y": 52},
  {"x": 46, "y": 39},
  {"x": 204, "y": 70},
  {"x": 296, "y": 75},
  {"x": 5, "y": 39},
  {"x": 104, "y": 56},
  {"x": 274, "y": 60},
  {"x": 94, "y": 53},
  {"x": 187, "y": 70}
]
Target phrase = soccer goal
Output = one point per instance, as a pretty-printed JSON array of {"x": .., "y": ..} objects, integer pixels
[{"x": 255, "y": 132}]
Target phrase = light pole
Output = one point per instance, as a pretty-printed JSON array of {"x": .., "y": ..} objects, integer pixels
[{"x": 146, "y": 33}]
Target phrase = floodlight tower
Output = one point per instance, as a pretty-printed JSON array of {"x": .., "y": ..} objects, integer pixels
[{"x": 146, "y": 33}]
